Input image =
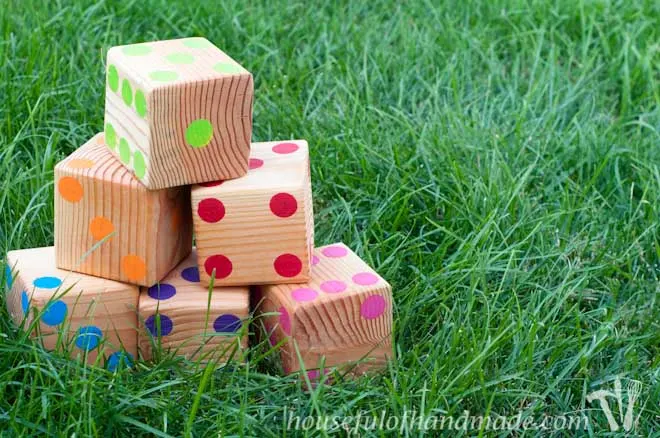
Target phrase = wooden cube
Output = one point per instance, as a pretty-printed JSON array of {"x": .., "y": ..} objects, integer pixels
[
  {"x": 341, "y": 318},
  {"x": 109, "y": 225},
  {"x": 91, "y": 318},
  {"x": 258, "y": 229},
  {"x": 181, "y": 315},
  {"x": 178, "y": 112}
]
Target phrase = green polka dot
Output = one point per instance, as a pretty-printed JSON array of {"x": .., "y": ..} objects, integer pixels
[
  {"x": 140, "y": 103},
  {"x": 163, "y": 75},
  {"x": 180, "y": 58},
  {"x": 197, "y": 43},
  {"x": 139, "y": 165},
  {"x": 110, "y": 136},
  {"x": 126, "y": 92},
  {"x": 136, "y": 50},
  {"x": 199, "y": 133},
  {"x": 124, "y": 151},
  {"x": 113, "y": 78},
  {"x": 227, "y": 67}
]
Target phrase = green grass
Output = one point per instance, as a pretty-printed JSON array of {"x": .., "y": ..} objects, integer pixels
[{"x": 497, "y": 161}]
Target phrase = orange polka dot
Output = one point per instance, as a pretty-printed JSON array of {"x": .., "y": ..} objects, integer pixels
[
  {"x": 133, "y": 267},
  {"x": 100, "y": 227},
  {"x": 70, "y": 189},
  {"x": 80, "y": 163},
  {"x": 100, "y": 139}
]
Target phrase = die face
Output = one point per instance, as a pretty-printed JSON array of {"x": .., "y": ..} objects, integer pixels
[
  {"x": 90, "y": 317},
  {"x": 257, "y": 229},
  {"x": 183, "y": 108},
  {"x": 179, "y": 314},
  {"x": 109, "y": 225}
]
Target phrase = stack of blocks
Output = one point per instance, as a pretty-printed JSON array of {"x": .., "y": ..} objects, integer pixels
[{"x": 124, "y": 280}]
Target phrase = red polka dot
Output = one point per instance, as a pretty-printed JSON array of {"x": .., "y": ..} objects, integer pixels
[
  {"x": 221, "y": 264},
  {"x": 211, "y": 210},
  {"x": 255, "y": 163},
  {"x": 288, "y": 265},
  {"x": 211, "y": 183},
  {"x": 285, "y": 148},
  {"x": 283, "y": 205}
]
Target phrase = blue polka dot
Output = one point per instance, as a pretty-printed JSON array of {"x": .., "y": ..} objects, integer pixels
[
  {"x": 89, "y": 337},
  {"x": 47, "y": 282},
  {"x": 119, "y": 358},
  {"x": 54, "y": 313},
  {"x": 163, "y": 291},
  {"x": 166, "y": 325},
  {"x": 25, "y": 302},
  {"x": 227, "y": 323},
  {"x": 8, "y": 277},
  {"x": 191, "y": 274}
]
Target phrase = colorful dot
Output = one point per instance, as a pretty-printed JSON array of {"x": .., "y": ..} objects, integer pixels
[
  {"x": 227, "y": 68},
  {"x": 54, "y": 313},
  {"x": 25, "y": 302},
  {"x": 113, "y": 78},
  {"x": 110, "y": 136},
  {"x": 70, "y": 189},
  {"x": 166, "y": 325},
  {"x": 333, "y": 286},
  {"x": 79, "y": 163},
  {"x": 163, "y": 76},
  {"x": 220, "y": 264},
  {"x": 180, "y": 58},
  {"x": 191, "y": 274},
  {"x": 285, "y": 320},
  {"x": 119, "y": 359},
  {"x": 126, "y": 92},
  {"x": 100, "y": 227},
  {"x": 124, "y": 151},
  {"x": 255, "y": 163},
  {"x": 227, "y": 324},
  {"x": 47, "y": 282},
  {"x": 283, "y": 205},
  {"x": 133, "y": 267},
  {"x": 365, "y": 279},
  {"x": 211, "y": 210},
  {"x": 197, "y": 43},
  {"x": 199, "y": 133},
  {"x": 140, "y": 104},
  {"x": 162, "y": 291},
  {"x": 373, "y": 307},
  {"x": 139, "y": 165},
  {"x": 334, "y": 251},
  {"x": 285, "y": 148},
  {"x": 9, "y": 279},
  {"x": 304, "y": 294},
  {"x": 136, "y": 50},
  {"x": 89, "y": 337},
  {"x": 288, "y": 265},
  {"x": 211, "y": 183},
  {"x": 315, "y": 260}
]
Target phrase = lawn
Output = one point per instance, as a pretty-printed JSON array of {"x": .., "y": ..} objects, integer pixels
[{"x": 497, "y": 161}]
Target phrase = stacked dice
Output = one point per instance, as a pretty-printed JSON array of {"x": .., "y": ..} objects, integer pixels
[{"x": 124, "y": 279}]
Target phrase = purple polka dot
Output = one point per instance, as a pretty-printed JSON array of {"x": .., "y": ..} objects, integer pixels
[
  {"x": 227, "y": 323},
  {"x": 334, "y": 251},
  {"x": 191, "y": 274},
  {"x": 163, "y": 291},
  {"x": 166, "y": 325},
  {"x": 315, "y": 260},
  {"x": 285, "y": 321},
  {"x": 365, "y": 279},
  {"x": 373, "y": 307},
  {"x": 304, "y": 294},
  {"x": 333, "y": 286}
]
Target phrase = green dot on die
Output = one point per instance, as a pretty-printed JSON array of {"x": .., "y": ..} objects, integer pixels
[
  {"x": 163, "y": 75},
  {"x": 199, "y": 133},
  {"x": 139, "y": 165},
  {"x": 180, "y": 58},
  {"x": 140, "y": 103},
  {"x": 113, "y": 78},
  {"x": 227, "y": 67},
  {"x": 197, "y": 43},
  {"x": 126, "y": 92},
  {"x": 124, "y": 151},
  {"x": 136, "y": 50},
  {"x": 110, "y": 136}
]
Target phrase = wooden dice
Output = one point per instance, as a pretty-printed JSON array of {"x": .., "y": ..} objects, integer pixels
[
  {"x": 341, "y": 317},
  {"x": 88, "y": 317},
  {"x": 107, "y": 224},
  {"x": 181, "y": 315},
  {"x": 258, "y": 229},
  {"x": 178, "y": 112}
]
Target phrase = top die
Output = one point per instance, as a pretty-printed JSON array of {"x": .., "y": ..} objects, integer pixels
[{"x": 178, "y": 112}]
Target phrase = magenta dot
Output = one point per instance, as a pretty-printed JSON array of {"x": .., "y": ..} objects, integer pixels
[
  {"x": 333, "y": 286},
  {"x": 285, "y": 148},
  {"x": 255, "y": 163},
  {"x": 365, "y": 279},
  {"x": 211, "y": 210},
  {"x": 315, "y": 260},
  {"x": 221, "y": 264},
  {"x": 304, "y": 294},
  {"x": 288, "y": 265},
  {"x": 211, "y": 183},
  {"x": 373, "y": 307},
  {"x": 283, "y": 205},
  {"x": 334, "y": 251},
  {"x": 285, "y": 321}
]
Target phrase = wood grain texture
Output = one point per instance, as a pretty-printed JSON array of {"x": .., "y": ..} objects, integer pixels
[
  {"x": 155, "y": 91},
  {"x": 342, "y": 317},
  {"x": 109, "y": 225},
  {"x": 258, "y": 229},
  {"x": 193, "y": 323},
  {"x": 64, "y": 309}
]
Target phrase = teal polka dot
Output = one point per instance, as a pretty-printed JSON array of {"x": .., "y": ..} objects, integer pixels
[
  {"x": 47, "y": 282},
  {"x": 89, "y": 337},
  {"x": 25, "y": 302},
  {"x": 199, "y": 133},
  {"x": 126, "y": 92},
  {"x": 113, "y": 78},
  {"x": 180, "y": 58},
  {"x": 119, "y": 359},
  {"x": 8, "y": 278},
  {"x": 197, "y": 43},
  {"x": 228, "y": 68},
  {"x": 124, "y": 151},
  {"x": 163, "y": 76},
  {"x": 54, "y": 313},
  {"x": 136, "y": 50}
]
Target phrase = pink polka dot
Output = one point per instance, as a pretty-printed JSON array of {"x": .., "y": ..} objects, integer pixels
[
  {"x": 222, "y": 265},
  {"x": 283, "y": 205},
  {"x": 334, "y": 251},
  {"x": 315, "y": 260},
  {"x": 304, "y": 294},
  {"x": 333, "y": 286},
  {"x": 285, "y": 148},
  {"x": 255, "y": 163},
  {"x": 288, "y": 265},
  {"x": 211, "y": 183},
  {"x": 365, "y": 279},
  {"x": 373, "y": 307},
  {"x": 285, "y": 321},
  {"x": 211, "y": 210}
]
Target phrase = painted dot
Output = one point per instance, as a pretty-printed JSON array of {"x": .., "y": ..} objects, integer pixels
[
  {"x": 54, "y": 314},
  {"x": 70, "y": 189},
  {"x": 47, "y": 282},
  {"x": 197, "y": 43},
  {"x": 100, "y": 227},
  {"x": 126, "y": 92},
  {"x": 163, "y": 76},
  {"x": 315, "y": 260},
  {"x": 110, "y": 136},
  {"x": 304, "y": 294},
  {"x": 140, "y": 104},
  {"x": 166, "y": 325},
  {"x": 211, "y": 183},
  {"x": 227, "y": 324},
  {"x": 136, "y": 50},
  {"x": 79, "y": 163},
  {"x": 373, "y": 307},
  {"x": 334, "y": 251},
  {"x": 227, "y": 68},
  {"x": 119, "y": 359},
  {"x": 139, "y": 165},
  {"x": 25, "y": 302},
  {"x": 162, "y": 291},
  {"x": 191, "y": 274},
  {"x": 199, "y": 133},
  {"x": 221, "y": 264},
  {"x": 283, "y": 205},
  {"x": 333, "y": 286},
  {"x": 133, "y": 267},
  {"x": 180, "y": 58},
  {"x": 9, "y": 279},
  {"x": 89, "y": 337},
  {"x": 113, "y": 78},
  {"x": 365, "y": 279},
  {"x": 211, "y": 210},
  {"x": 285, "y": 320},
  {"x": 288, "y": 265},
  {"x": 285, "y": 148},
  {"x": 255, "y": 163},
  {"x": 124, "y": 151}
]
